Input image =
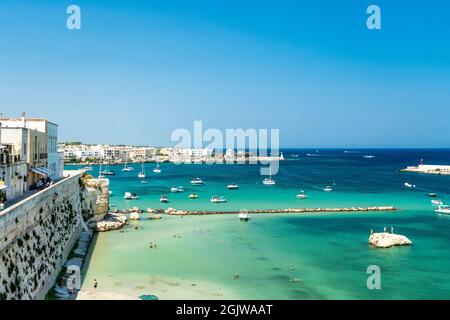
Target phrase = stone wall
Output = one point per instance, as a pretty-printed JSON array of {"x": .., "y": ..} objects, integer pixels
[{"x": 37, "y": 234}]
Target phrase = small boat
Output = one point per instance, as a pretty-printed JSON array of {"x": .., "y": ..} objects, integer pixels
[
  {"x": 110, "y": 192},
  {"x": 144, "y": 181},
  {"x": 437, "y": 202},
  {"x": 443, "y": 209},
  {"x": 409, "y": 185},
  {"x": 302, "y": 195},
  {"x": 217, "y": 199},
  {"x": 328, "y": 189},
  {"x": 233, "y": 186},
  {"x": 88, "y": 168},
  {"x": 193, "y": 196},
  {"x": 107, "y": 172},
  {"x": 269, "y": 181},
  {"x": 243, "y": 215},
  {"x": 197, "y": 182},
  {"x": 141, "y": 175},
  {"x": 157, "y": 169},
  {"x": 432, "y": 195},
  {"x": 164, "y": 199},
  {"x": 130, "y": 196},
  {"x": 126, "y": 168},
  {"x": 177, "y": 189},
  {"x": 368, "y": 157}
]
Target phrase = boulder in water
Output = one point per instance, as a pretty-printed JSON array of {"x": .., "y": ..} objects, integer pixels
[{"x": 387, "y": 240}]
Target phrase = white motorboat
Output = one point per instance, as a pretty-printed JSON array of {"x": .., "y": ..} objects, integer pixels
[
  {"x": 409, "y": 185},
  {"x": 107, "y": 172},
  {"x": 217, "y": 199},
  {"x": 243, "y": 215},
  {"x": 269, "y": 181},
  {"x": 141, "y": 174},
  {"x": 328, "y": 189},
  {"x": 437, "y": 202},
  {"x": 164, "y": 199},
  {"x": 177, "y": 189},
  {"x": 197, "y": 182},
  {"x": 443, "y": 209},
  {"x": 233, "y": 186},
  {"x": 157, "y": 169},
  {"x": 302, "y": 195},
  {"x": 130, "y": 196},
  {"x": 368, "y": 157}
]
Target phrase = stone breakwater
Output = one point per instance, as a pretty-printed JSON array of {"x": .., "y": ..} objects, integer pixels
[{"x": 173, "y": 211}]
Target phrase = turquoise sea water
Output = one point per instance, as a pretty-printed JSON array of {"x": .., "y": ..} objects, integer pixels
[{"x": 330, "y": 252}]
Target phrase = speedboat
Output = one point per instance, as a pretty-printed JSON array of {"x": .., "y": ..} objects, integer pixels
[
  {"x": 243, "y": 215},
  {"x": 368, "y": 157},
  {"x": 197, "y": 182},
  {"x": 130, "y": 196},
  {"x": 302, "y": 195},
  {"x": 233, "y": 186},
  {"x": 164, "y": 199},
  {"x": 217, "y": 199},
  {"x": 432, "y": 195},
  {"x": 437, "y": 202},
  {"x": 409, "y": 185},
  {"x": 157, "y": 169},
  {"x": 328, "y": 189},
  {"x": 193, "y": 196},
  {"x": 177, "y": 189},
  {"x": 443, "y": 209}
]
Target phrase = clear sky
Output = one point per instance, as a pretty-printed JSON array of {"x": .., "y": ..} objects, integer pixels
[{"x": 139, "y": 69}]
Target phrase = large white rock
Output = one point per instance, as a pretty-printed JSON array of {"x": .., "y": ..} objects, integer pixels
[
  {"x": 134, "y": 216},
  {"x": 387, "y": 240}
]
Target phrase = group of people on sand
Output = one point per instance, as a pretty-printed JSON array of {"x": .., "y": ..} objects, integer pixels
[{"x": 384, "y": 230}]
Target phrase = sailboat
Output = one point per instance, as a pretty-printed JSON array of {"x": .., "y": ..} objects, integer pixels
[
  {"x": 141, "y": 174},
  {"x": 126, "y": 168},
  {"x": 269, "y": 181},
  {"x": 157, "y": 169},
  {"x": 108, "y": 172},
  {"x": 100, "y": 174}
]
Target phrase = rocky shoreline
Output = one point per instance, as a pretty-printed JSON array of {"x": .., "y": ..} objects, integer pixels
[
  {"x": 387, "y": 240},
  {"x": 112, "y": 221}
]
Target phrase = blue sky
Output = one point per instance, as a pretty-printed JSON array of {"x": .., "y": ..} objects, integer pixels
[{"x": 137, "y": 70}]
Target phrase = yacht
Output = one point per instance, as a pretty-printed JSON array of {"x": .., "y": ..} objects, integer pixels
[
  {"x": 164, "y": 199},
  {"x": 443, "y": 209},
  {"x": 328, "y": 189},
  {"x": 157, "y": 169},
  {"x": 269, "y": 181},
  {"x": 177, "y": 189},
  {"x": 217, "y": 199},
  {"x": 233, "y": 186},
  {"x": 409, "y": 185},
  {"x": 243, "y": 215},
  {"x": 193, "y": 196},
  {"x": 437, "y": 202},
  {"x": 142, "y": 173},
  {"x": 197, "y": 182},
  {"x": 130, "y": 196},
  {"x": 302, "y": 195}
]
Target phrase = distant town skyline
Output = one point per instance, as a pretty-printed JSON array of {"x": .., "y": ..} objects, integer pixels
[{"x": 136, "y": 72}]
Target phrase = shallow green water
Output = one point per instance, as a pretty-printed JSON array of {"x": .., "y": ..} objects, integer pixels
[{"x": 330, "y": 252}]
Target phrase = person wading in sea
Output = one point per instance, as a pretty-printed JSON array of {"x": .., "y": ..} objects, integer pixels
[{"x": 95, "y": 284}]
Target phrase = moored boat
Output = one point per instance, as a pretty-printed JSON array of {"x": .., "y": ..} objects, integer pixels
[
  {"x": 302, "y": 195},
  {"x": 130, "y": 196},
  {"x": 217, "y": 199},
  {"x": 177, "y": 189},
  {"x": 243, "y": 215},
  {"x": 197, "y": 182},
  {"x": 437, "y": 202},
  {"x": 164, "y": 199},
  {"x": 443, "y": 209},
  {"x": 328, "y": 189},
  {"x": 233, "y": 186},
  {"x": 193, "y": 196}
]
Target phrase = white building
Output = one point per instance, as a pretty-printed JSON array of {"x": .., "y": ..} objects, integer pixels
[{"x": 41, "y": 125}]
